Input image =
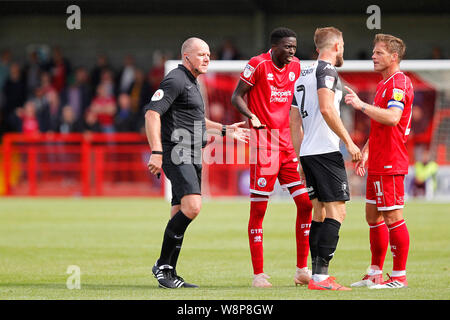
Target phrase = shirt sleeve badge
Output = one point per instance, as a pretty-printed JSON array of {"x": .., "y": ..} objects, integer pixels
[
  {"x": 329, "y": 81},
  {"x": 398, "y": 94},
  {"x": 248, "y": 71}
]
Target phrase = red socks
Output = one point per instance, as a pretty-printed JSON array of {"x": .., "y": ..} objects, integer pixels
[
  {"x": 399, "y": 239},
  {"x": 258, "y": 206},
  {"x": 302, "y": 224},
  {"x": 398, "y": 236},
  {"x": 379, "y": 242}
]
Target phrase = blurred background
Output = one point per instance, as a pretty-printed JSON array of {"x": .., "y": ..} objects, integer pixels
[{"x": 71, "y": 101}]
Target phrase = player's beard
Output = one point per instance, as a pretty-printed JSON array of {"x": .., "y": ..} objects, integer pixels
[{"x": 339, "y": 61}]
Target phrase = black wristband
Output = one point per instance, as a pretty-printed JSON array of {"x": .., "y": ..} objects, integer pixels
[
  {"x": 157, "y": 152},
  {"x": 224, "y": 130}
]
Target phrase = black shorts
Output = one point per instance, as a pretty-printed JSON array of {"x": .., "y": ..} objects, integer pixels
[
  {"x": 186, "y": 178},
  {"x": 326, "y": 178}
]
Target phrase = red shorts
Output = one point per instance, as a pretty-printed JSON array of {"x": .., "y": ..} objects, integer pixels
[
  {"x": 386, "y": 191},
  {"x": 266, "y": 166}
]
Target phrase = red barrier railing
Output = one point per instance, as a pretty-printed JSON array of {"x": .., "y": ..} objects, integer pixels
[{"x": 78, "y": 164}]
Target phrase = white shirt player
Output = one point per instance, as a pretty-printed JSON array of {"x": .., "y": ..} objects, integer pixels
[{"x": 318, "y": 137}]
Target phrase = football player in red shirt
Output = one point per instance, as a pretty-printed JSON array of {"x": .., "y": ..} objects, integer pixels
[
  {"x": 387, "y": 158},
  {"x": 268, "y": 81}
]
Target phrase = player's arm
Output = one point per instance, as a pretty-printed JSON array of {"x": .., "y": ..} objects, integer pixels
[
  {"x": 237, "y": 100},
  {"x": 295, "y": 125},
  {"x": 331, "y": 117},
  {"x": 390, "y": 116},
  {"x": 234, "y": 130}
]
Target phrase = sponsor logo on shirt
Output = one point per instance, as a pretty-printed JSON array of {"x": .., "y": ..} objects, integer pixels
[
  {"x": 307, "y": 71},
  {"x": 278, "y": 95},
  {"x": 270, "y": 76}
]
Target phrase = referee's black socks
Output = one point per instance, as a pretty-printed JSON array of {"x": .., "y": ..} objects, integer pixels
[
  {"x": 173, "y": 238},
  {"x": 327, "y": 243}
]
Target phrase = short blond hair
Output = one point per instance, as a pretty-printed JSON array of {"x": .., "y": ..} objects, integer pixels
[
  {"x": 326, "y": 37},
  {"x": 393, "y": 44}
]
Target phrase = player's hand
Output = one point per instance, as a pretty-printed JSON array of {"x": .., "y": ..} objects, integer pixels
[
  {"x": 352, "y": 99},
  {"x": 256, "y": 124},
  {"x": 361, "y": 165},
  {"x": 155, "y": 163},
  {"x": 302, "y": 174},
  {"x": 354, "y": 151},
  {"x": 236, "y": 132}
]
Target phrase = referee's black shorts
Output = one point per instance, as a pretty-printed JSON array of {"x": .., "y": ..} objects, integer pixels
[
  {"x": 186, "y": 178},
  {"x": 326, "y": 178}
]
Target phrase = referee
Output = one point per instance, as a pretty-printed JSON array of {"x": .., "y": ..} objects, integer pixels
[{"x": 175, "y": 125}]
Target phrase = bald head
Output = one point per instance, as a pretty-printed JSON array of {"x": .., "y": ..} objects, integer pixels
[
  {"x": 195, "y": 55},
  {"x": 190, "y": 44}
]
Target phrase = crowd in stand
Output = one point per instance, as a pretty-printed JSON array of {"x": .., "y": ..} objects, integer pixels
[
  {"x": 52, "y": 96},
  {"x": 49, "y": 95}
]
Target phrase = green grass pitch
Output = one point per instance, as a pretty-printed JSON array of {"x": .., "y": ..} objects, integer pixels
[{"x": 115, "y": 241}]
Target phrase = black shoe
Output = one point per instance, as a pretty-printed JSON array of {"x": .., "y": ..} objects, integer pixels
[
  {"x": 184, "y": 284},
  {"x": 164, "y": 275}
]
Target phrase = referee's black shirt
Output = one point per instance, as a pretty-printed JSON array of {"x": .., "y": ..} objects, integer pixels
[{"x": 180, "y": 104}]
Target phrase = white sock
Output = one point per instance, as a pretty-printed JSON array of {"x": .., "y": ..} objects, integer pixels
[
  {"x": 373, "y": 272},
  {"x": 319, "y": 277},
  {"x": 398, "y": 273}
]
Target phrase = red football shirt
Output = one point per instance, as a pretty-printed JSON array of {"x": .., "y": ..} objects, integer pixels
[
  {"x": 270, "y": 98},
  {"x": 387, "y": 144}
]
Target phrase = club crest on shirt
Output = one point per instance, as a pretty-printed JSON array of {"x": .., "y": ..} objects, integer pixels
[
  {"x": 262, "y": 182},
  {"x": 158, "y": 95},
  {"x": 398, "y": 94},
  {"x": 248, "y": 71},
  {"x": 291, "y": 76}
]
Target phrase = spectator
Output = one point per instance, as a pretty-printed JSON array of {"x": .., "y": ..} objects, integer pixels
[
  {"x": 49, "y": 112},
  {"x": 5, "y": 61},
  {"x": 101, "y": 65},
  {"x": 27, "y": 115},
  {"x": 139, "y": 92},
  {"x": 425, "y": 172},
  {"x": 78, "y": 96},
  {"x": 156, "y": 73},
  {"x": 14, "y": 94},
  {"x": 91, "y": 123},
  {"x": 125, "y": 119},
  {"x": 107, "y": 81},
  {"x": 69, "y": 122},
  {"x": 104, "y": 106},
  {"x": 126, "y": 75},
  {"x": 228, "y": 51},
  {"x": 32, "y": 74},
  {"x": 59, "y": 69},
  {"x": 45, "y": 85}
]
